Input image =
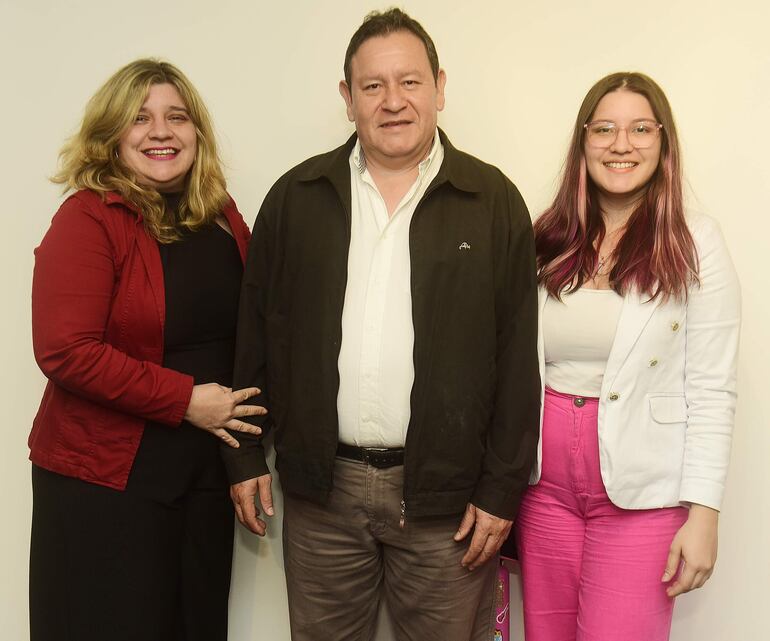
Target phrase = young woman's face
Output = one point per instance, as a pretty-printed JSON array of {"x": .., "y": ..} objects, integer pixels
[
  {"x": 160, "y": 144},
  {"x": 622, "y": 169}
]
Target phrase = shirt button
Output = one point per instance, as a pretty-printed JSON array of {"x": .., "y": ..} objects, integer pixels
[
  {"x": 614, "y": 396},
  {"x": 674, "y": 326},
  {"x": 653, "y": 362}
]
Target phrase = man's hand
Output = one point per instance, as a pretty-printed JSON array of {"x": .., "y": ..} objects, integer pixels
[
  {"x": 489, "y": 534},
  {"x": 694, "y": 548},
  {"x": 243, "y": 495}
]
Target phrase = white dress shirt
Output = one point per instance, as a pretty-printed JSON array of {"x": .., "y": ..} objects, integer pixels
[{"x": 376, "y": 364}]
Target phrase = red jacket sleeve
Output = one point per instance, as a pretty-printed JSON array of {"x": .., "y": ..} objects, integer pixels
[{"x": 75, "y": 282}]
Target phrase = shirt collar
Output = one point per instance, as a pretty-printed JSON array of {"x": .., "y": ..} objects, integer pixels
[
  {"x": 462, "y": 171},
  {"x": 358, "y": 158}
]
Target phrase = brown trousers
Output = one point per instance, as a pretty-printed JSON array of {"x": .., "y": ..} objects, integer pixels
[{"x": 341, "y": 557}]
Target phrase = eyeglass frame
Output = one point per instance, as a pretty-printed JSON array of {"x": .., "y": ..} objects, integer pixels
[{"x": 618, "y": 129}]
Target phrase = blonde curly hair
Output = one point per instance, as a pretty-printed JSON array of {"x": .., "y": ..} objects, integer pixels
[{"x": 89, "y": 159}]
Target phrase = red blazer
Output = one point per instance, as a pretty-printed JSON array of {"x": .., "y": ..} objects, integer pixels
[{"x": 98, "y": 313}]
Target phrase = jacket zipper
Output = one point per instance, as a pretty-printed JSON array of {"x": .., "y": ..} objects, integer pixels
[{"x": 431, "y": 188}]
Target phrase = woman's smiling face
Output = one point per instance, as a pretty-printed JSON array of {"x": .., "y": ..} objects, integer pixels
[
  {"x": 160, "y": 145},
  {"x": 622, "y": 169}
]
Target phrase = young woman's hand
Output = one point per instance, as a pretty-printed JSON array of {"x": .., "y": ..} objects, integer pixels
[
  {"x": 214, "y": 407},
  {"x": 693, "y": 551}
]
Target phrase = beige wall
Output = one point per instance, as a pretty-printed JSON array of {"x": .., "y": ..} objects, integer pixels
[{"x": 517, "y": 72}]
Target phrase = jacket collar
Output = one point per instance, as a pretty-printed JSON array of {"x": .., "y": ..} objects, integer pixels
[
  {"x": 148, "y": 248},
  {"x": 334, "y": 167},
  {"x": 237, "y": 227},
  {"x": 114, "y": 198},
  {"x": 229, "y": 211},
  {"x": 458, "y": 169}
]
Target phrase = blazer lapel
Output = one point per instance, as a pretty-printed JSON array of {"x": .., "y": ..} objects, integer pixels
[{"x": 634, "y": 316}]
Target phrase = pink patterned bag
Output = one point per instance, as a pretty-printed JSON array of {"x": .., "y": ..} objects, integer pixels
[{"x": 502, "y": 606}]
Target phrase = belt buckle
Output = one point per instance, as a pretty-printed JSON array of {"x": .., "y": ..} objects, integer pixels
[
  {"x": 379, "y": 457},
  {"x": 370, "y": 456}
]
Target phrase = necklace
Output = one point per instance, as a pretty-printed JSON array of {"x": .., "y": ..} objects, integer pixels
[
  {"x": 605, "y": 259},
  {"x": 601, "y": 263}
]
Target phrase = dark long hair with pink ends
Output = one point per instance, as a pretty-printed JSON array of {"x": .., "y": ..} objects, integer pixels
[{"x": 656, "y": 255}]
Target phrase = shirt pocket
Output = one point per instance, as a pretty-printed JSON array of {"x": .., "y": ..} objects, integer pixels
[{"x": 668, "y": 408}]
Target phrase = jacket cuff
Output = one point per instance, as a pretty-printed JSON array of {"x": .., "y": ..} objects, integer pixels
[
  {"x": 246, "y": 462},
  {"x": 185, "y": 386},
  {"x": 709, "y": 495},
  {"x": 488, "y": 497}
]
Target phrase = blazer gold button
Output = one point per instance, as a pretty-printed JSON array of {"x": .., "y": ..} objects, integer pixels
[
  {"x": 614, "y": 396},
  {"x": 653, "y": 362},
  {"x": 674, "y": 326}
]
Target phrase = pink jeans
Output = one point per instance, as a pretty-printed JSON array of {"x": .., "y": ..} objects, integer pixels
[{"x": 591, "y": 571}]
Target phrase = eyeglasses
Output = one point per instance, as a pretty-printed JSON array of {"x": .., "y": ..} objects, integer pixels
[{"x": 641, "y": 133}]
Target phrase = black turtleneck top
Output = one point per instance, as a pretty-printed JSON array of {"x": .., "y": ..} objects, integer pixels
[{"x": 202, "y": 274}]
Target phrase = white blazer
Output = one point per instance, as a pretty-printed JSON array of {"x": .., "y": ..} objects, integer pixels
[{"x": 668, "y": 394}]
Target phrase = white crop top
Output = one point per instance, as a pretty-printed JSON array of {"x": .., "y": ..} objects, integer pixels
[{"x": 578, "y": 333}]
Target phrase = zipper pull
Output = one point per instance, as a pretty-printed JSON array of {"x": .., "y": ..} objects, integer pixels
[{"x": 402, "y": 520}]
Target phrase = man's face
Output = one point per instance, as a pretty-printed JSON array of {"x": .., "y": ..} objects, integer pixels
[{"x": 393, "y": 99}]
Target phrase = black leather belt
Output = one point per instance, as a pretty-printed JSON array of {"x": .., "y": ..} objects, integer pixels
[{"x": 374, "y": 456}]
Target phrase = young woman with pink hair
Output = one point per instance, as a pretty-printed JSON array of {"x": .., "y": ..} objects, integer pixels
[{"x": 639, "y": 323}]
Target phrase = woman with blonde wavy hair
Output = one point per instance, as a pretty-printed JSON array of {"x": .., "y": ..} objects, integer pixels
[
  {"x": 134, "y": 303},
  {"x": 638, "y": 338}
]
